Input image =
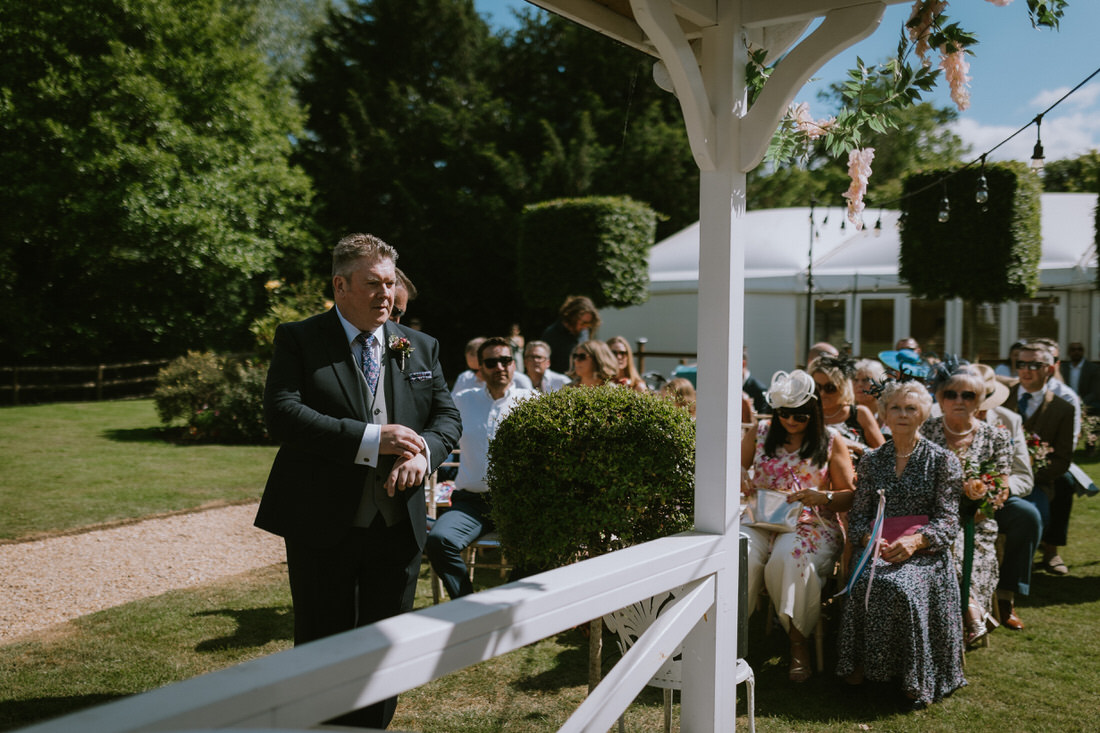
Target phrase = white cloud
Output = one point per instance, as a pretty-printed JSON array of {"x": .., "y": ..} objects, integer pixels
[
  {"x": 1064, "y": 136},
  {"x": 1083, "y": 98}
]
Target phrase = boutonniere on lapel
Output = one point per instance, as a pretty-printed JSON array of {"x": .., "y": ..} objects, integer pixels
[{"x": 400, "y": 348}]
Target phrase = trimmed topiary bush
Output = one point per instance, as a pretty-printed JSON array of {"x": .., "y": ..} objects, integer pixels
[
  {"x": 597, "y": 246},
  {"x": 985, "y": 253},
  {"x": 584, "y": 471}
]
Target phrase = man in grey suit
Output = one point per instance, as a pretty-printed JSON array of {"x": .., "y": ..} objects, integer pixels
[{"x": 363, "y": 413}]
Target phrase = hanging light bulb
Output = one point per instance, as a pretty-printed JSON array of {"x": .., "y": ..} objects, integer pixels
[
  {"x": 945, "y": 207},
  {"x": 981, "y": 195},
  {"x": 1037, "y": 160}
]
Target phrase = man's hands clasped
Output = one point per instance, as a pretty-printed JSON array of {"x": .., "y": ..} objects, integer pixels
[{"x": 411, "y": 465}]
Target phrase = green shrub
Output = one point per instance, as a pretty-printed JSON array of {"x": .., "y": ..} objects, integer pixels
[
  {"x": 596, "y": 246},
  {"x": 590, "y": 470},
  {"x": 219, "y": 398}
]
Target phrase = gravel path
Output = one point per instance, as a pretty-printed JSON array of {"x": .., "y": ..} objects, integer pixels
[{"x": 49, "y": 581}]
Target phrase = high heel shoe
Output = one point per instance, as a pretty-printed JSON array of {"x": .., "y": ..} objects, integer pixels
[
  {"x": 978, "y": 623},
  {"x": 800, "y": 670}
]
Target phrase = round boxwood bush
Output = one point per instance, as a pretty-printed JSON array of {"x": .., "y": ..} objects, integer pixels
[{"x": 584, "y": 471}]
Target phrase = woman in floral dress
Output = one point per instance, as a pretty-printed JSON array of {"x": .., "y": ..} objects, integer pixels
[
  {"x": 983, "y": 450},
  {"x": 796, "y": 454},
  {"x": 909, "y": 626}
]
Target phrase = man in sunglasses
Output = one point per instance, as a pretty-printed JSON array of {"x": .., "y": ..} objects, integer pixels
[
  {"x": 1051, "y": 418},
  {"x": 482, "y": 409}
]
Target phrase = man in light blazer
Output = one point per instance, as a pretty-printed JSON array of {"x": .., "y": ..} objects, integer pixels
[{"x": 363, "y": 414}]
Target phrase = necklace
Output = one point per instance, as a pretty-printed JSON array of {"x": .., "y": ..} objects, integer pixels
[
  {"x": 831, "y": 415},
  {"x": 973, "y": 427},
  {"x": 906, "y": 455}
]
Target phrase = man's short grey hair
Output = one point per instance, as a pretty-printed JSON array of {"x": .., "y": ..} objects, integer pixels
[
  {"x": 355, "y": 247},
  {"x": 534, "y": 344}
]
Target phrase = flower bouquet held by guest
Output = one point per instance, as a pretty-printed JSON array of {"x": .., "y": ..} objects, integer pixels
[
  {"x": 901, "y": 619},
  {"x": 592, "y": 365},
  {"x": 986, "y": 456},
  {"x": 627, "y": 374},
  {"x": 795, "y": 454},
  {"x": 856, "y": 423}
]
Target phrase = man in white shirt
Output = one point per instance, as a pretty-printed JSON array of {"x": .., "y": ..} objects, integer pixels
[
  {"x": 472, "y": 376},
  {"x": 536, "y": 359},
  {"x": 482, "y": 409}
]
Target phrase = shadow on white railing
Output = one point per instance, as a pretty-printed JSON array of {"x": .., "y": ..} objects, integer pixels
[{"x": 301, "y": 687}]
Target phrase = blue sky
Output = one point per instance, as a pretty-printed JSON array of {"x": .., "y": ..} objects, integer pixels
[{"x": 1016, "y": 73}]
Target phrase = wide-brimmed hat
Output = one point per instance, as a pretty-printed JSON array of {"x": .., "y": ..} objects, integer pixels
[
  {"x": 996, "y": 391},
  {"x": 904, "y": 361}
]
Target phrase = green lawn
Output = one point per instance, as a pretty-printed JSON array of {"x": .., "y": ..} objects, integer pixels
[
  {"x": 1045, "y": 678},
  {"x": 74, "y": 464}
]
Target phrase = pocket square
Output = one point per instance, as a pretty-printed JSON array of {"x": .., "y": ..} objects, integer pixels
[{"x": 419, "y": 376}]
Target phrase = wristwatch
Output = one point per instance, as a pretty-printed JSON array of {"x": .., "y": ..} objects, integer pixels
[{"x": 828, "y": 498}]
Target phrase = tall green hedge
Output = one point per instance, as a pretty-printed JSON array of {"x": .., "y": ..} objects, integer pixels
[
  {"x": 593, "y": 246},
  {"x": 985, "y": 252},
  {"x": 589, "y": 470}
]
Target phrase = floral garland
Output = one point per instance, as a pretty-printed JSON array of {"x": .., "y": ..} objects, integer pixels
[{"x": 872, "y": 93}]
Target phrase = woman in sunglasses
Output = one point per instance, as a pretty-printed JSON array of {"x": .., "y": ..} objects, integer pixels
[
  {"x": 794, "y": 453},
  {"x": 592, "y": 365},
  {"x": 626, "y": 373},
  {"x": 855, "y": 422},
  {"x": 984, "y": 450}
]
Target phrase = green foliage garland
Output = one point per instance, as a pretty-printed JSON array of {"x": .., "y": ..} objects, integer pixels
[
  {"x": 593, "y": 246},
  {"x": 984, "y": 253},
  {"x": 590, "y": 470}
]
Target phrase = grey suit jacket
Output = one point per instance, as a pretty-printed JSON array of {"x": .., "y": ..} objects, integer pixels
[{"x": 315, "y": 406}]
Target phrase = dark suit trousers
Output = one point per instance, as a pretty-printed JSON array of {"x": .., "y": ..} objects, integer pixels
[{"x": 369, "y": 575}]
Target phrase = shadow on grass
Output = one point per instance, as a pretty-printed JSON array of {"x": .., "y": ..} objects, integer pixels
[
  {"x": 256, "y": 627},
  {"x": 18, "y": 713},
  {"x": 141, "y": 435},
  {"x": 1062, "y": 590}
]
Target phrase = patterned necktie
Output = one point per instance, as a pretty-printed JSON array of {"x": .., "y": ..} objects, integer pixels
[
  {"x": 1025, "y": 398},
  {"x": 368, "y": 363}
]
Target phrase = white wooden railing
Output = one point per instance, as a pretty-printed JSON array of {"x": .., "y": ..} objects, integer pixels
[{"x": 301, "y": 687}]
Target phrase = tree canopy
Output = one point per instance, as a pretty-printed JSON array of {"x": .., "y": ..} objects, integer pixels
[{"x": 147, "y": 191}]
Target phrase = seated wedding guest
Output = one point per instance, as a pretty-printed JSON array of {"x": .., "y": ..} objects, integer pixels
[
  {"x": 908, "y": 627},
  {"x": 856, "y": 423},
  {"x": 1050, "y": 418},
  {"x": 793, "y": 453},
  {"x": 1008, "y": 368},
  {"x": 681, "y": 392},
  {"x": 868, "y": 373},
  {"x": 821, "y": 348},
  {"x": 984, "y": 451},
  {"x": 908, "y": 343},
  {"x": 482, "y": 409},
  {"x": 1018, "y": 519},
  {"x": 1061, "y": 389},
  {"x": 593, "y": 365},
  {"x": 627, "y": 374},
  {"x": 536, "y": 357},
  {"x": 1083, "y": 376},
  {"x": 577, "y": 322},
  {"x": 472, "y": 376}
]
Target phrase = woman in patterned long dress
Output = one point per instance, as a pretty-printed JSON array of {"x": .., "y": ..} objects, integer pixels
[
  {"x": 960, "y": 393},
  {"x": 909, "y": 626},
  {"x": 796, "y": 454}
]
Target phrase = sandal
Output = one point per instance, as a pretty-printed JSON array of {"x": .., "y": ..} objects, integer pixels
[
  {"x": 1054, "y": 564},
  {"x": 977, "y": 623},
  {"x": 800, "y": 670}
]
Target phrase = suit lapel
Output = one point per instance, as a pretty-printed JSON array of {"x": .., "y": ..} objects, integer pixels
[{"x": 347, "y": 372}]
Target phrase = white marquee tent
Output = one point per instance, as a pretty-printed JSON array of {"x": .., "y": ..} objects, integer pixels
[{"x": 848, "y": 266}]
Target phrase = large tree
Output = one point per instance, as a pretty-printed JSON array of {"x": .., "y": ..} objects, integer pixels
[{"x": 146, "y": 187}]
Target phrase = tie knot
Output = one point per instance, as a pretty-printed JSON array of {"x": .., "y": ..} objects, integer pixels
[{"x": 365, "y": 338}]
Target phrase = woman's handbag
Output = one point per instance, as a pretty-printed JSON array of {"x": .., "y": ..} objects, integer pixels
[{"x": 768, "y": 509}]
